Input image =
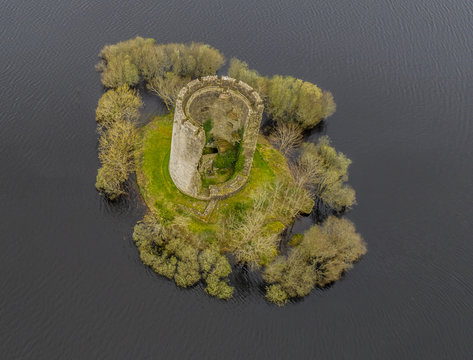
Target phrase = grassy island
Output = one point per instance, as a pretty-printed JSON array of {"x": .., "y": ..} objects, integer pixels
[{"x": 199, "y": 239}]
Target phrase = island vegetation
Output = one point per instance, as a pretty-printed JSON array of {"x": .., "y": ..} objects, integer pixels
[{"x": 195, "y": 241}]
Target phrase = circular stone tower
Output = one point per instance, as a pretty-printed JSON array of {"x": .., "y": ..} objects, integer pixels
[{"x": 214, "y": 135}]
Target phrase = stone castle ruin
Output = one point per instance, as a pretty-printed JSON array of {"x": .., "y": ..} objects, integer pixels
[{"x": 215, "y": 130}]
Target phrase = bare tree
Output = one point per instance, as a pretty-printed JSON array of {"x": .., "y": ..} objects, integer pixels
[
  {"x": 286, "y": 136},
  {"x": 167, "y": 87}
]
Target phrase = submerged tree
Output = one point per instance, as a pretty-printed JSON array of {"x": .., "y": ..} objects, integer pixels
[
  {"x": 164, "y": 68},
  {"x": 120, "y": 62},
  {"x": 287, "y": 99},
  {"x": 177, "y": 254},
  {"x": 116, "y": 156},
  {"x": 291, "y": 99},
  {"x": 116, "y": 112},
  {"x": 239, "y": 70},
  {"x": 322, "y": 256},
  {"x": 325, "y": 172},
  {"x": 121, "y": 103}
]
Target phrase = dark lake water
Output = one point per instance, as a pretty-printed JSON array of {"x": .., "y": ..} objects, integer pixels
[{"x": 72, "y": 285}]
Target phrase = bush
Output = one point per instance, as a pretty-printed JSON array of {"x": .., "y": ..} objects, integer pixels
[
  {"x": 287, "y": 99},
  {"x": 322, "y": 256},
  {"x": 291, "y": 99},
  {"x": 119, "y": 65},
  {"x": 239, "y": 70},
  {"x": 215, "y": 269},
  {"x": 276, "y": 294},
  {"x": 122, "y": 103},
  {"x": 164, "y": 68},
  {"x": 116, "y": 146},
  {"x": 148, "y": 231},
  {"x": 325, "y": 172},
  {"x": 172, "y": 252},
  {"x": 227, "y": 159},
  {"x": 336, "y": 247},
  {"x": 187, "y": 273}
]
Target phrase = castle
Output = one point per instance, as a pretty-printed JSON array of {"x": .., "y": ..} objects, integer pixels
[{"x": 214, "y": 136}]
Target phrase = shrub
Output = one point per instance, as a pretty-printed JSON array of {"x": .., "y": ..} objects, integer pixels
[
  {"x": 291, "y": 99},
  {"x": 287, "y": 99},
  {"x": 227, "y": 159},
  {"x": 325, "y": 172},
  {"x": 207, "y": 126},
  {"x": 215, "y": 269},
  {"x": 109, "y": 183},
  {"x": 187, "y": 273},
  {"x": 276, "y": 294},
  {"x": 172, "y": 252},
  {"x": 148, "y": 231},
  {"x": 239, "y": 70},
  {"x": 322, "y": 256},
  {"x": 121, "y": 103},
  {"x": 119, "y": 64},
  {"x": 218, "y": 288},
  {"x": 164, "y": 68},
  {"x": 116, "y": 147}
]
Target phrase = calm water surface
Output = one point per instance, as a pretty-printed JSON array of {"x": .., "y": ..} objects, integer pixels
[{"x": 72, "y": 285}]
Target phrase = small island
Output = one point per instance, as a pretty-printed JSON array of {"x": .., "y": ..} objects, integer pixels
[{"x": 220, "y": 194}]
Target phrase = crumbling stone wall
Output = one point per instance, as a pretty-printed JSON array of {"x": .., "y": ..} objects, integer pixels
[{"x": 188, "y": 136}]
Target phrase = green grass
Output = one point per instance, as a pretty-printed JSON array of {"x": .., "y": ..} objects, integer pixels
[
  {"x": 154, "y": 180},
  {"x": 166, "y": 201}
]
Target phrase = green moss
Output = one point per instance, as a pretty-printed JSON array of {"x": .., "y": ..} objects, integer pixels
[
  {"x": 222, "y": 176},
  {"x": 275, "y": 227},
  {"x": 207, "y": 125},
  {"x": 227, "y": 159},
  {"x": 296, "y": 239}
]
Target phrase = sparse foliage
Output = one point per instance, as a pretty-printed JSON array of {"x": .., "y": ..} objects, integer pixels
[
  {"x": 325, "y": 172},
  {"x": 255, "y": 237},
  {"x": 252, "y": 243},
  {"x": 286, "y": 136},
  {"x": 167, "y": 87}
]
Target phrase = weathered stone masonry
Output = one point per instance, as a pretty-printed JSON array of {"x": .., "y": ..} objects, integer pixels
[{"x": 188, "y": 135}]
